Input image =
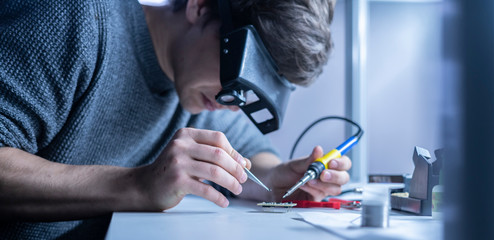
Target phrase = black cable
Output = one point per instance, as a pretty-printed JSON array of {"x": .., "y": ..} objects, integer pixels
[{"x": 358, "y": 134}]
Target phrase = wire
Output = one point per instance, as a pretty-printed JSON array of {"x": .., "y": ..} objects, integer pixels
[{"x": 358, "y": 134}]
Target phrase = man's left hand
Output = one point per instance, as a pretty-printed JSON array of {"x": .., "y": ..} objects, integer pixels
[{"x": 285, "y": 175}]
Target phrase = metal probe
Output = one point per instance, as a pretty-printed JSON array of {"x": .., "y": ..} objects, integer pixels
[
  {"x": 316, "y": 168},
  {"x": 255, "y": 179}
]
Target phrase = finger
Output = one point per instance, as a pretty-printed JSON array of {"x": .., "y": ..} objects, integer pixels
[
  {"x": 216, "y": 174},
  {"x": 301, "y": 165},
  {"x": 248, "y": 164},
  {"x": 344, "y": 163},
  {"x": 208, "y": 192},
  {"x": 213, "y": 138},
  {"x": 326, "y": 188},
  {"x": 218, "y": 156},
  {"x": 334, "y": 176}
]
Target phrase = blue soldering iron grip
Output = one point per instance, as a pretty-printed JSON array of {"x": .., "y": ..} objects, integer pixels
[{"x": 347, "y": 145}]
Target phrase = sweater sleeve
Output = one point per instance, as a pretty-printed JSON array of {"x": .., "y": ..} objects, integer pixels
[{"x": 46, "y": 62}]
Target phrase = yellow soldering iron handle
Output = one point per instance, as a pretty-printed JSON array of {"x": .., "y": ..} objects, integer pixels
[
  {"x": 328, "y": 157},
  {"x": 338, "y": 151}
]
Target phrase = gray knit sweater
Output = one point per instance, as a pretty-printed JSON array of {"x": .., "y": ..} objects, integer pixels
[{"x": 80, "y": 84}]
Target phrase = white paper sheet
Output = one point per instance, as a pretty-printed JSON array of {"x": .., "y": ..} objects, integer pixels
[{"x": 347, "y": 225}]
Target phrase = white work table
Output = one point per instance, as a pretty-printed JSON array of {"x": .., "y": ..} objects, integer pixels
[{"x": 197, "y": 218}]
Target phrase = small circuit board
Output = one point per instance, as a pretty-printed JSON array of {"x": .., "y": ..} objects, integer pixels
[{"x": 276, "y": 206}]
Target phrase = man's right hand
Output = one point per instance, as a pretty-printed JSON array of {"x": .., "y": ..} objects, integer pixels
[
  {"x": 193, "y": 155},
  {"x": 35, "y": 189}
]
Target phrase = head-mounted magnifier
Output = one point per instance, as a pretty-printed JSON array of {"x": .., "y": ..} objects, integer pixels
[{"x": 249, "y": 76}]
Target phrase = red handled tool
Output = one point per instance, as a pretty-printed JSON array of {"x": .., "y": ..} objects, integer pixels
[{"x": 331, "y": 203}]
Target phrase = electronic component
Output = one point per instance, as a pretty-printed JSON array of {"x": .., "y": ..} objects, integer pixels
[{"x": 276, "y": 206}]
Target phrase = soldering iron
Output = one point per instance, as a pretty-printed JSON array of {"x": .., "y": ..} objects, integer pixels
[{"x": 316, "y": 168}]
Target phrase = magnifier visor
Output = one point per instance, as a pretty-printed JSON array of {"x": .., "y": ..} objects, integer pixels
[
  {"x": 250, "y": 80},
  {"x": 249, "y": 76}
]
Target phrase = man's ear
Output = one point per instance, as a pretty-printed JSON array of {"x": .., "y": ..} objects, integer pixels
[{"x": 195, "y": 10}]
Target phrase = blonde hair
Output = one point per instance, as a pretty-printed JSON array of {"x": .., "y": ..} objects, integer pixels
[{"x": 295, "y": 32}]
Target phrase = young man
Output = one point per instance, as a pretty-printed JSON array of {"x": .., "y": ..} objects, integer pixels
[{"x": 102, "y": 109}]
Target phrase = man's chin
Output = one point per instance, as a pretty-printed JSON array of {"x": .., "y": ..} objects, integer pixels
[{"x": 190, "y": 107}]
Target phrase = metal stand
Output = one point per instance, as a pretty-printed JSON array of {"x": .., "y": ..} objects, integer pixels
[{"x": 425, "y": 177}]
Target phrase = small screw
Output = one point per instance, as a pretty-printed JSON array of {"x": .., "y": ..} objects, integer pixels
[
  {"x": 225, "y": 51},
  {"x": 226, "y": 40}
]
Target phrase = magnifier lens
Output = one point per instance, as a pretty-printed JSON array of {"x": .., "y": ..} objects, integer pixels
[
  {"x": 227, "y": 98},
  {"x": 231, "y": 97}
]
